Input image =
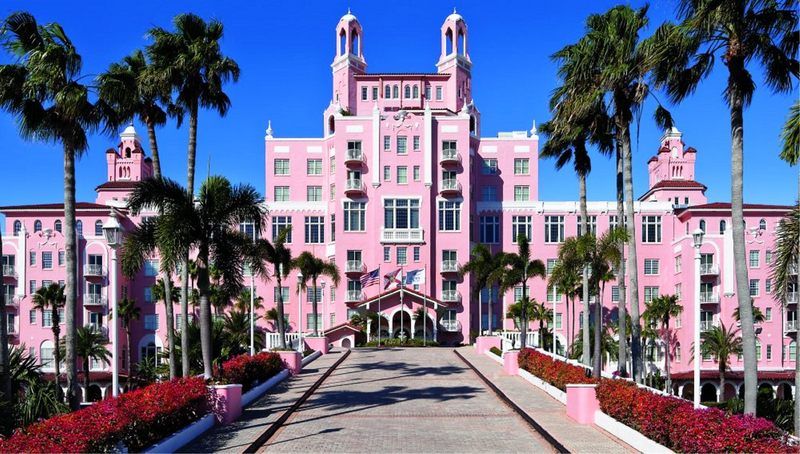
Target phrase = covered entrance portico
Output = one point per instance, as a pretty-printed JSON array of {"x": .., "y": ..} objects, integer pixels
[{"x": 403, "y": 313}]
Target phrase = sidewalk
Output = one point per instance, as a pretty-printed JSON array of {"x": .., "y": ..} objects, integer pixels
[
  {"x": 257, "y": 417},
  {"x": 546, "y": 411}
]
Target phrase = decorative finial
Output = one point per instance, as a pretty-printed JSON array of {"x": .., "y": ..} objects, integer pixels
[
  {"x": 348, "y": 10},
  {"x": 464, "y": 109},
  {"x": 454, "y": 10},
  {"x": 269, "y": 128},
  {"x": 533, "y": 129}
]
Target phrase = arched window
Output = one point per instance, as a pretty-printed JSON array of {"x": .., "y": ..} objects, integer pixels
[
  {"x": 462, "y": 38},
  {"x": 677, "y": 352},
  {"x": 448, "y": 35},
  {"x": 472, "y": 124},
  {"x": 762, "y": 224},
  {"x": 722, "y": 226},
  {"x": 331, "y": 125},
  {"x": 128, "y": 152},
  {"x": 407, "y": 92},
  {"x": 17, "y": 227},
  {"x": 98, "y": 228},
  {"x": 57, "y": 225},
  {"x": 46, "y": 355},
  {"x": 388, "y": 92},
  {"x": 79, "y": 228},
  {"x": 395, "y": 92},
  {"x": 342, "y": 42},
  {"x": 703, "y": 225},
  {"x": 355, "y": 43},
  {"x": 427, "y": 91},
  {"x": 37, "y": 226},
  {"x": 416, "y": 91}
]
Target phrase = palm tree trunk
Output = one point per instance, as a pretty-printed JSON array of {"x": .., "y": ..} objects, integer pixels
[
  {"x": 597, "y": 364},
  {"x": 797, "y": 347},
  {"x": 314, "y": 304},
  {"x": 151, "y": 135},
  {"x": 128, "y": 359},
  {"x": 489, "y": 316},
  {"x": 542, "y": 343},
  {"x": 206, "y": 342},
  {"x": 192, "y": 150},
  {"x": 586, "y": 357},
  {"x": 523, "y": 329},
  {"x": 185, "y": 316},
  {"x": 56, "y": 351},
  {"x": 623, "y": 131},
  {"x": 5, "y": 378},
  {"x": 737, "y": 219},
  {"x": 668, "y": 381},
  {"x": 170, "y": 313},
  {"x": 722, "y": 381},
  {"x": 86, "y": 379},
  {"x": 622, "y": 309},
  {"x": 281, "y": 325},
  {"x": 566, "y": 326},
  {"x": 71, "y": 284}
]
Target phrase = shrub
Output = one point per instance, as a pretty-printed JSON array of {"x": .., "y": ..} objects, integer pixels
[
  {"x": 136, "y": 419},
  {"x": 496, "y": 351},
  {"x": 248, "y": 370},
  {"x": 557, "y": 373}
]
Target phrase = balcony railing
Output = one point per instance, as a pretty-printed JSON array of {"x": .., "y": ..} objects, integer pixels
[
  {"x": 9, "y": 271},
  {"x": 13, "y": 300},
  {"x": 712, "y": 298},
  {"x": 354, "y": 156},
  {"x": 451, "y": 296},
  {"x": 791, "y": 325},
  {"x": 93, "y": 299},
  {"x": 791, "y": 297},
  {"x": 11, "y": 329},
  {"x": 709, "y": 269},
  {"x": 793, "y": 268},
  {"x": 449, "y": 266},
  {"x": 402, "y": 236},
  {"x": 451, "y": 326},
  {"x": 449, "y": 186},
  {"x": 355, "y": 266},
  {"x": 706, "y": 325},
  {"x": 102, "y": 330},
  {"x": 450, "y": 157},
  {"x": 92, "y": 270},
  {"x": 354, "y": 295},
  {"x": 354, "y": 185}
]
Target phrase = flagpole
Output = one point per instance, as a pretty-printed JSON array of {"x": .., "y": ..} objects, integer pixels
[
  {"x": 425, "y": 312},
  {"x": 402, "y": 305},
  {"x": 380, "y": 295}
]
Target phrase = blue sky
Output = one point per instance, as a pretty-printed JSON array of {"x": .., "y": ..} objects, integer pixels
[{"x": 285, "y": 49}]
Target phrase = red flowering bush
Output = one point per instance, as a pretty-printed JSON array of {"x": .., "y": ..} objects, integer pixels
[
  {"x": 557, "y": 373},
  {"x": 136, "y": 419},
  {"x": 675, "y": 424},
  {"x": 247, "y": 370}
]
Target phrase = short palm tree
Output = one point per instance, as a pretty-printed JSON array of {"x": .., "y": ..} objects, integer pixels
[
  {"x": 738, "y": 33},
  {"x": 43, "y": 89},
  {"x": 204, "y": 226},
  {"x": 517, "y": 269},
  {"x": 514, "y": 312},
  {"x": 540, "y": 313},
  {"x": 91, "y": 346},
  {"x": 758, "y": 316},
  {"x": 51, "y": 298},
  {"x": 236, "y": 329},
  {"x": 128, "y": 311},
  {"x": 279, "y": 257},
  {"x": 242, "y": 302},
  {"x": 485, "y": 269},
  {"x": 720, "y": 342},
  {"x": 662, "y": 309},
  {"x": 567, "y": 281},
  {"x": 609, "y": 347},
  {"x": 312, "y": 268}
]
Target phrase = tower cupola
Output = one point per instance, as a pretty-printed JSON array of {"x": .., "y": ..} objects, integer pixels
[
  {"x": 454, "y": 40},
  {"x": 348, "y": 62}
]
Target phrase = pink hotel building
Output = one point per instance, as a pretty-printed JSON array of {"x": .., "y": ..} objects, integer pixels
[{"x": 403, "y": 178}]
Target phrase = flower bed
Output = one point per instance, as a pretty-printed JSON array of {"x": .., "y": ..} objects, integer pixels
[
  {"x": 136, "y": 420},
  {"x": 248, "y": 370},
  {"x": 675, "y": 424},
  {"x": 552, "y": 371}
]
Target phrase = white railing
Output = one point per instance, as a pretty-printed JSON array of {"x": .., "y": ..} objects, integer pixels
[
  {"x": 355, "y": 266},
  {"x": 709, "y": 298},
  {"x": 449, "y": 185},
  {"x": 709, "y": 269},
  {"x": 791, "y": 297},
  {"x": 791, "y": 325},
  {"x": 402, "y": 236},
  {"x": 512, "y": 339},
  {"x": 451, "y": 326},
  {"x": 449, "y": 266},
  {"x": 706, "y": 325},
  {"x": 355, "y": 154},
  {"x": 353, "y": 184},
  {"x": 11, "y": 329},
  {"x": 354, "y": 295},
  {"x": 101, "y": 330},
  {"x": 449, "y": 156},
  {"x": 93, "y": 299},
  {"x": 13, "y": 300},
  {"x": 451, "y": 296},
  {"x": 8, "y": 270},
  {"x": 293, "y": 341},
  {"x": 92, "y": 270}
]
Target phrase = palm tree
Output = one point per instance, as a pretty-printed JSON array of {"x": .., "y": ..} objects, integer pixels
[
  {"x": 203, "y": 226},
  {"x": 662, "y": 309},
  {"x": 51, "y": 298},
  {"x": 720, "y": 342},
  {"x": 791, "y": 136},
  {"x": 568, "y": 282},
  {"x": 43, "y": 90},
  {"x": 127, "y": 311},
  {"x": 515, "y": 313},
  {"x": 162, "y": 291},
  {"x": 5, "y": 379},
  {"x": 758, "y": 316},
  {"x": 516, "y": 269},
  {"x": 486, "y": 270},
  {"x": 312, "y": 268},
  {"x": 737, "y": 33},
  {"x": 609, "y": 347},
  {"x": 90, "y": 346},
  {"x": 242, "y": 302},
  {"x": 236, "y": 329},
  {"x": 280, "y": 258},
  {"x": 539, "y": 312}
]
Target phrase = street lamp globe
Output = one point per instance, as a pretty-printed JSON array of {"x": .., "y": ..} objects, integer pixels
[
  {"x": 112, "y": 230},
  {"x": 697, "y": 237}
]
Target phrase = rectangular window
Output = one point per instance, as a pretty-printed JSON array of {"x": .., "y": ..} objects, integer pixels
[
  {"x": 521, "y": 166},
  {"x": 439, "y": 93},
  {"x": 314, "y": 167},
  {"x": 416, "y": 173},
  {"x": 768, "y": 286},
  {"x": 521, "y": 225},
  {"x": 47, "y": 319},
  {"x": 591, "y": 223},
  {"x": 650, "y": 293},
  {"x": 769, "y": 352},
  {"x": 768, "y": 257},
  {"x": 427, "y": 92},
  {"x": 449, "y": 216},
  {"x": 279, "y": 224},
  {"x": 32, "y": 258},
  {"x": 489, "y": 166},
  {"x": 558, "y": 321},
  {"x": 151, "y": 267},
  {"x": 615, "y": 293},
  {"x": 281, "y": 167},
  {"x": 522, "y": 193},
  {"x": 402, "y": 175},
  {"x": 489, "y": 194},
  {"x": 415, "y": 143},
  {"x": 553, "y": 229},
  {"x": 678, "y": 291},
  {"x": 387, "y": 143},
  {"x": 374, "y": 93},
  {"x": 61, "y": 258},
  {"x": 651, "y": 229},
  {"x": 387, "y": 173},
  {"x": 402, "y": 145},
  {"x": 148, "y": 294},
  {"x": 768, "y": 314},
  {"x": 364, "y": 93},
  {"x": 678, "y": 264},
  {"x": 333, "y": 227},
  {"x": 402, "y": 256},
  {"x": 310, "y": 322},
  {"x": 281, "y": 193},
  {"x": 151, "y": 322},
  {"x": 47, "y": 260},
  {"x": 754, "y": 287},
  {"x": 651, "y": 266},
  {"x": 490, "y": 229},
  {"x": 284, "y": 294},
  {"x": 32, "y": 287},
  {"x": 315, "y": 229},
  {"x": 32, "y": 316},
  {"x": 313, "y": 193},
  {"x": 387, "y": 254},
  {"x": 332, "y": 191},
  {"x": 313, "y": 293},
  {"x": 553, "y": 294},
  {"x": 332, "y": 165},
  {"x": 551, "y": 264},
  {"x": 416, "y": 253},
  {"x": 754, "y": 259},
  {"x": 355, "y": 216},
  {"x": 401, "y": 213}
]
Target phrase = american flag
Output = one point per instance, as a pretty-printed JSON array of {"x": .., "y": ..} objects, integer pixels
[{"x": 370, "y": 278}]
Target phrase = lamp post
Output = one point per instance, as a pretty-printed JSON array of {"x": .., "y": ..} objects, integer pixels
[
  {"x": 252, "y": 314},
  {"x": 300, "y": 309},
  {"x": 697, "y": 238},
  {"x": 113, "y": 233},
  {"x": 324, "y": 306}
]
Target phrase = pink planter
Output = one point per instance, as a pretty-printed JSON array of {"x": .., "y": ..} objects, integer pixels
[
  {"x": 484, "y": 343},
  {"x": 228, "y": 402},
  {"x": 319, "y": 344},
  {"x": 511, "y": 362},
  {"x": 292, "y": 360},
  {"x": 582, "y": 402}
]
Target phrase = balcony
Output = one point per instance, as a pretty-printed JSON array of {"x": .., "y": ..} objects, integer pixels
[
  {"x": 9, "y": 271},
  {"x": 91, "y": 270},
  {"x": 450, "y": 326},
  {"x": 451, "y": 296},
  {"x": 449, "y": 187},
  {"x": 355, "y": 266},
  {"x": 11, "y": 329},
  {"x": 102, "y": 330},
  {"x": 450, "y": 157},
  {"x": 449, "y": 266},
  {"x": 354, "y": 296},
  {"x": 13, "y": 301},
  {"x": 709, "y": 298},
  {"x": 791, "y": 297},
  {"x": 793, "y": 269},
  {"x": 354, "y": 187},
  {"x": 402, "y": 236},
  {"x": 93, "y": 299},
  {"x": 354, "y": 156},
  {"x": 706, "y": 325},
  {"x": 791, "y": 326},
  {"x": 709, "y": 269}
]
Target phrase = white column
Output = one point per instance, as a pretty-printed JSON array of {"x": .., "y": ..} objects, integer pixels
[
  {"x": 252, "y": 314},
  {"x": 21, "y": 261},
  {"x": 413, "y": 326},
  {"x": 697, "y": 354},
  {"x": 427, "y": 146},
  {"x": 375, "y": 165},
  {"x": 114, "y": 326}
]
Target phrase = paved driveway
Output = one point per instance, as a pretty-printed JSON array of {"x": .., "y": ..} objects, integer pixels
[{"x": 410, "y": 400}]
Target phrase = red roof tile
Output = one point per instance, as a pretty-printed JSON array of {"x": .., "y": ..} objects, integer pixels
[
  {"x": 747, "y": 206},
  {"x": 678, "y": 184},
  {"x": 735, "y": 375},
  {"x": 117, "y": 185},
  {"x": 55, "y": 207}
]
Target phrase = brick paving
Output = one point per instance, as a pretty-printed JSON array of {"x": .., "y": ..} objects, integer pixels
[
  {"x": 409, "y": 400},
  {"x": 546, "y": 411}
]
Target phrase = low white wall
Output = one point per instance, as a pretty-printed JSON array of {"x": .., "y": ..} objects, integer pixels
[
  {"x": 259, "y": 390},
  {"x": 494, "y": 357},
  {"x": 628, "y": 435},
  {"x": 184, "y": 436},
  {"x": 554, "y": 392},
  {"x": 311, "y": 357}
]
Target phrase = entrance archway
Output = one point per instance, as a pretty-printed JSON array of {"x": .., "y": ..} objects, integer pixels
[{"x": 94, "y": 393}]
